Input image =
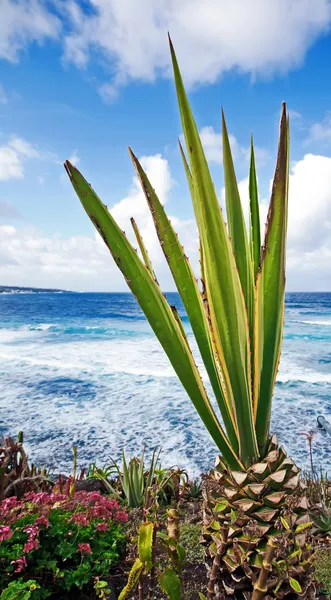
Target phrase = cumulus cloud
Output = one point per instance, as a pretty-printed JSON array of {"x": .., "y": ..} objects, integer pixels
[
  {"x": 211, "y": 36},
  {"x": 13, "y": 155},
  {"x": 321, "y": 132},
  {"x": 309, "y": 222},
  {"x": 74, "y": 158},
  {"x": 212, "y": 144},
  {"x": 24, "y": 148},
  {"x": 25, "y": 22},
  {"x": 83, "y": 262},
  {"x": 10, "y": 164}
]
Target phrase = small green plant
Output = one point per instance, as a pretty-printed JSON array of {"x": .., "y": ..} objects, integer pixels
[
  {"x": 193, "y": 490},
  {"x": 190, "y": 534},
  {"x": 134, "y": 479},
  {"x": 63, "y": 541},
  {"x": 101, "y": 589},
  {"x": 169, "y": 483},
  {"x": 322, "y": 564},
  {"x": 322, "y": 521}
]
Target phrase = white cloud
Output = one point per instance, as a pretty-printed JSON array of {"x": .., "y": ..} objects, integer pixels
[
  {"x": 210, "y": 36},
  {"x": 320, "y": 132},
  {"x": 22, "y": 23},
  {"x": 74, "y": 158},
  {"x": 83, "y": 262},
  {"x": 24, "y": 148},
  {"x": 309, "y": 222},
  {"x": 13, "y": 155},
  {"x": 212, "y": 144},
  {"x": 310, "y": 204}
]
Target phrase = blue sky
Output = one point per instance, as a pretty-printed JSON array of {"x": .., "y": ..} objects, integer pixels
[{"x": 83, "y": 80}]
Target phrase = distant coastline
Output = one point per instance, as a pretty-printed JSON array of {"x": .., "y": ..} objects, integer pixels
[{"x": 13, "y": 289}]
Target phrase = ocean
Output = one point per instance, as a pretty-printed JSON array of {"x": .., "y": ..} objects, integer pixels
[{"x": 86, "y": 369}]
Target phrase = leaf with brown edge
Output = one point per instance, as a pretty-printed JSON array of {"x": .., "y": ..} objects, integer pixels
[
  {"x": 271, "y": 286},
  {"x": 225, "y": 297}
]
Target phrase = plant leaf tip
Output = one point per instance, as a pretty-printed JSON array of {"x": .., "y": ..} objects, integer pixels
[{"x": 68, "y": 167}]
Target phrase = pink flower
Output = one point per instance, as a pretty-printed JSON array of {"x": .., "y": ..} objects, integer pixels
[
  {"x": 79, "y": 519},
  {"x": 32, "y": 544},
  {"x": 32, "y": 530},
  {"x": 10, "y": 503},
  {"x": 5, "y": 533},
  {"x": 42, "y": 521},
  {"x": 21, "y": 564},
  {"x": 121, "y": 516},
  {"x": 84, "y": 549},
  {"x": 102, "y": 526}
]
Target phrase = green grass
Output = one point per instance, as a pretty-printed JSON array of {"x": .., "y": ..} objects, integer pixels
[
  {"x": 190, "y": 534},
  {"x": 322, "y": 565}
]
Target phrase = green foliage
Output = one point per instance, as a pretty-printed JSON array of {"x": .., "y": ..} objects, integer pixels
[
  {"x": 101, "y": 589},
  {"x": 134, "y": 480},
  {"x": 146, "y": 564},
  {"x": 237, "y": 319},
  {"x": 193, "y": 490},
  {"x": 20, "y": 590},
  {"x": 322, "y": 564},
  {"x": 190, "y": 535},
  {"x": 295, "y": 585},
  {"x": 170, "y": 584},
  {"x": 169, "y": 483},
  {"x": 322, "y": 520},
  {"x": 64, "y": 542}
]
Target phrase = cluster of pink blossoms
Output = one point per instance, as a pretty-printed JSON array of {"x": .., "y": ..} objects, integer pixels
[
  {"x": 86, "y": 507},
  {"x": 84, "y": 549},
  {"x": 5, "y": 532}
]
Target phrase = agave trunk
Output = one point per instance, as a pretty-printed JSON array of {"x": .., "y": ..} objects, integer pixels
[{"x": 247, "y": 510}]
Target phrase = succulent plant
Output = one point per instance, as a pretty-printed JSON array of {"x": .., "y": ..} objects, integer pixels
[{"x": 237, "y": 320}]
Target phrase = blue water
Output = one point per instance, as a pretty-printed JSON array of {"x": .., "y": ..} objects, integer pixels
[{"x": 87, "y": 369}]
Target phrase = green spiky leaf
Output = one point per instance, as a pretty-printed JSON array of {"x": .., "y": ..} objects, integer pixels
[
  {"x": 271, "y": 287},
  {"x": 226, "y": 301},
  {"x": 254, "y": 214}
]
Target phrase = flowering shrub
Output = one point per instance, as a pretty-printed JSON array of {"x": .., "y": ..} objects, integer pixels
[{"x": 61, "y": 542}]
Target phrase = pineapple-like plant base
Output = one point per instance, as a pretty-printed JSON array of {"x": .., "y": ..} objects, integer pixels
[{"x": 243, "y": 511}]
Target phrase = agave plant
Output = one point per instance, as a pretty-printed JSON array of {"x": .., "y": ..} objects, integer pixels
[
  {"x": 237, "y": 320},
  {"x": 133, "y": 478}
]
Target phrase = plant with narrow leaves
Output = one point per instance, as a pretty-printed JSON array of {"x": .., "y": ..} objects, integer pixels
[
  {"x": 237, "y": 320},
  {"x": 193, "y": 490},
  {"x": 133, "y": 478},
  {"x": 322, "y": 521}
]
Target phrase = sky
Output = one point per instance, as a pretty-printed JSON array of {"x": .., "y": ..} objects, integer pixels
[{"x": 84, "y": 79}]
